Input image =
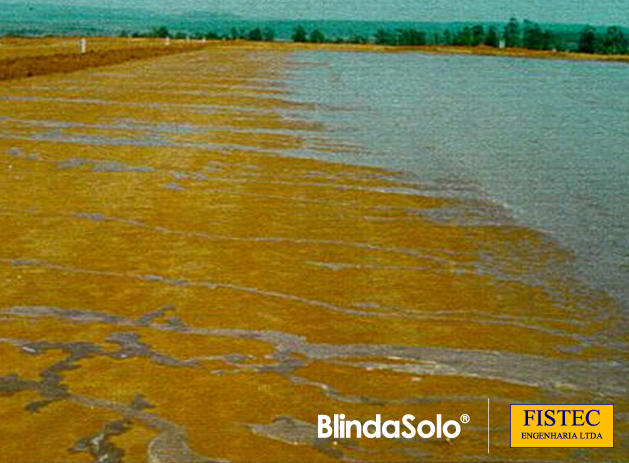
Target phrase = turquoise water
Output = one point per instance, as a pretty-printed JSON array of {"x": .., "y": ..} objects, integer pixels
[{"x": 546, "y": 142}]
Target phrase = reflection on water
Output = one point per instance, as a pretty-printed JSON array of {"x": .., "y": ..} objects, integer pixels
[{"x": 196, "y": 293}]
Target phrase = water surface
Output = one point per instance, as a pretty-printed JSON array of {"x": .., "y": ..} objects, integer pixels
[{"x": 547, "y": 141}]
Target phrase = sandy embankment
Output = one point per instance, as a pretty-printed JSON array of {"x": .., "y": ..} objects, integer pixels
[
  {"x": 23, "y": 57},
  {"x": 175, "y": 284},
  {"x": 512, "y": 53},
  {"x": 447, "y": 50}
]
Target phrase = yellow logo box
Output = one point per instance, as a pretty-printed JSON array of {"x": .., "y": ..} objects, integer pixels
[{"x": 562, "y": 426}]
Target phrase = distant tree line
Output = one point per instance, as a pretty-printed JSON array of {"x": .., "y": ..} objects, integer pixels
[
  {"x": 612, "y": 42},
  {"x": 256, "y": 34},
  {"x": 513, "y": 34}
]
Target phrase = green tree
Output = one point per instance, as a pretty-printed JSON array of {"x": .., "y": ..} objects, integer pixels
[
  {"x": 237, "y": 33},
  {"x": 255, "y": 35},
  {"x": 447, "y": 37},
  {"x": 464, "y": 37},
  {"x": 512, "y": 33},
  {"x": 534, "y": 38},
  {"x": 478, "y": 35},
  {"x": 491, "y": 38},
  {"x": 361, "y": 39},
  {"x": 317, "y": 36},
  {"x": 410, "y": 37},
  {"x": 161, "y": 32},
  {"x": 588, "y": 40},
  {"x": 615, "y": 42},
  {"x": 384, "y": 37},
  {"x": 300, "y": 34},
  {"x": 551, "y": 41},
  {"x": 531, "y": 35},
  {"x": 268, "y": 34}
]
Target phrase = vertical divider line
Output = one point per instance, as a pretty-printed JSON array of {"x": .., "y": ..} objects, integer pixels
[{"x": 487, "y": 425}]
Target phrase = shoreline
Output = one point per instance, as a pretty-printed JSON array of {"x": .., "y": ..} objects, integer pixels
[
  {"x": 436, "y": 49},
  {"x": 521, "y": 53},
  {"x": 120, "y": 50}
]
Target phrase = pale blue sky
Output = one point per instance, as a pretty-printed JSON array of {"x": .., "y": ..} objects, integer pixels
[{"x": 573, "y": 11}]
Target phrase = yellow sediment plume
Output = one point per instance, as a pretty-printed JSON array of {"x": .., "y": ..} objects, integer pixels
[{"x": 176, "y": 283}]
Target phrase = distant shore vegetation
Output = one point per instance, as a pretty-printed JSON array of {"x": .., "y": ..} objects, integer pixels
[{"x": 514, "y": 34}]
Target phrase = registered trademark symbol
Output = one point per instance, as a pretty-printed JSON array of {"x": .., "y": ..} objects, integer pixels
[{"x": 465, "y": 419}]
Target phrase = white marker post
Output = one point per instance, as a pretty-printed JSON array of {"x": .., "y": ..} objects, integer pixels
[
  {"x": 83, "y": 45},
  {"x": 167, "y": 40}
]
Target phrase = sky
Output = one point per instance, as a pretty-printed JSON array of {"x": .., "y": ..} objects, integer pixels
[{"x": 562, "y": 11}]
